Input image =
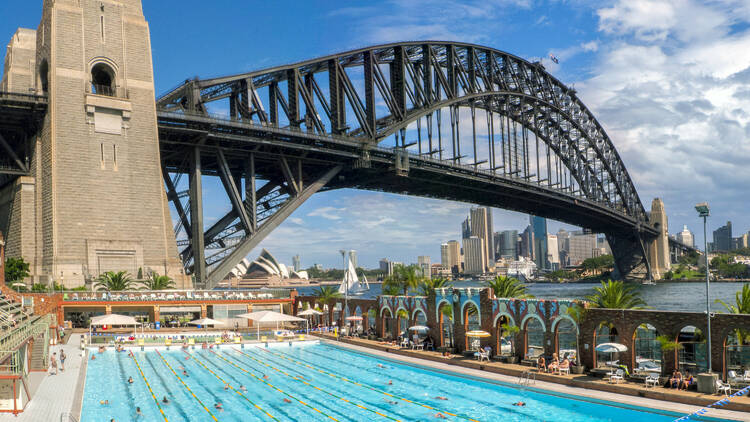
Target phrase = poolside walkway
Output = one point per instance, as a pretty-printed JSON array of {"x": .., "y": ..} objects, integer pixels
[
  {"x": 579, "y": 385},
  {"x": 54, "y": 394}
]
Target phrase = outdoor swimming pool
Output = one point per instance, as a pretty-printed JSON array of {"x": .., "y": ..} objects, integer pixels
[{"x": 311, "y": 382}]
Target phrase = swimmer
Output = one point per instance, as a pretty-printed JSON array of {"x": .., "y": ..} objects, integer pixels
[
  {"x": 286, "y": 400},
  {"x": 380, "y": 365},
  {"x": 520, "y": 403},
  {"x": 441, "y": 398},
  {"x": 184, "y": 372},
  {"x": 165, "y": 400},
  {"x": 243, "y": 388},
  {"x": 93, "y": 357},
  {"x": 218, "y": 406},
  {"x": 391, "y": 401},
  {"x": 226, "y": 386},
  {"x": 104, "y": 402},
  {"x": 390, "y": 382},
  {"x": 440, "y": 416},
  {"x": 130, "y": 380},
  {"x": 266, "y": 377},
  {"x": 138, "y": 412}
]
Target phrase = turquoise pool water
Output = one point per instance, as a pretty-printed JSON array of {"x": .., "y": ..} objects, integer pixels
[{"x": 313, "y": 382}]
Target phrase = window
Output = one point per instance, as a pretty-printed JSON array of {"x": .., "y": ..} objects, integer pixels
[
  {"x": 101, "y": 26},
  {"x": 102, "y": 80},
  {"x": 44, "y": 76},
  {"x": 114, "y": 156},
  {"x": 102, "y": 156}
]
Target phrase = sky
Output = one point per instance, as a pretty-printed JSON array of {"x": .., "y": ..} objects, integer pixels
[{"x": 668, "y": 80}]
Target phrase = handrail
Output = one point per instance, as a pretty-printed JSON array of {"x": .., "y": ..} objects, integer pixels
[
  {"x": 164, "y": 295},
  {"x": 67, "y": 417},
  {"x": 10, "y": 340}
]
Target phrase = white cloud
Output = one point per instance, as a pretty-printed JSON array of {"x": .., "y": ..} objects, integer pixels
[{"x": 329, "y": 213}]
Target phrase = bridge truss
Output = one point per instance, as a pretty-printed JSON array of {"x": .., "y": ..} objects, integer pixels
[{"x": 446, "y": 120}]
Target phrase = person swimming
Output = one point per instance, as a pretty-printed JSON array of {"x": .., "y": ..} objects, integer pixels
[
  {"x": 286, "y": 400},
  {"x": 243, "y": 388},
  {"x": 218, "y": 406},
  {"x": 138, "y": 413},
  {"x": 130, "y": 380},
  {"x": 226, "y": 386},
  {"x": 165, "y": 400},
  {"x": 441, "y": 398},
  {"x": 440, "y": 416},
  {"x": 520, "y": 403},
  {"x": 104, "y": 402},
  {"x": 390, "y": 382},
  {"x": 266, "y": 377}
]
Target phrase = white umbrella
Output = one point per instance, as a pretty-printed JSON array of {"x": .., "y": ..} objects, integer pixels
[
  {"x": 354, "y": 318},
  {"x": 205, "y": 322},
  {"x": 269, "y": 316},
  {"x": 18, "y": 284},
  {"x": 310, "y": 312},
  {"x": 419, "y": 328},
  {"x": 611, "y": 348},
  {"x": 112, "y": 319}
]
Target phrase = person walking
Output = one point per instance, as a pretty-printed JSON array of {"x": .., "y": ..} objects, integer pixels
[
  {"x": 53, "y": 363},
  {"x": 62, "y": 360}
]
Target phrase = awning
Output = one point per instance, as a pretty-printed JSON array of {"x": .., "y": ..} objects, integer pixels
[{"x": 113, "y": 319}]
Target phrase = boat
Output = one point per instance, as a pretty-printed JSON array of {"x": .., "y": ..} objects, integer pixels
[{"x": 351, "y": 285}]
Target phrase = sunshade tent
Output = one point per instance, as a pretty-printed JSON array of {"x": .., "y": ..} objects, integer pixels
[
  {"x": 270, "y": 316},
  {"x": 354, "y": 318},
  {"x": 419, "y": 328},
  {"x": 309, "y": 312},
  {"x": 112, "y": 319},
  {"x": 205, "y": 322},
  {"x": 611, "y": 348}
]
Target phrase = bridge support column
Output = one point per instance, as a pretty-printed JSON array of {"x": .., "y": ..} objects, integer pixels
[
  {"x": 658, "y": 248},
  {"x": 196, "y": 219},
  {"x": 631, "y": 258}
]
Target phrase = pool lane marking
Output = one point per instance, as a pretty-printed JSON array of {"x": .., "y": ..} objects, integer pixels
[
  {"x": 196, "y": 360},
  {"x": 316, "y": 387},
  {"x": 185, "y": 385},
  {"x": 149, "y": 388},
  {"x": 274, "y": 387},
  {"x": 366, "y": 386}
]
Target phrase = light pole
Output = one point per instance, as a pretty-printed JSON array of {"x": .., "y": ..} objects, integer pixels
[
  {"x": 703, "y": 211},
  {"x": 346, "y": 287}
]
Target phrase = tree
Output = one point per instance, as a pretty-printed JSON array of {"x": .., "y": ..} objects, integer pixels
[
  {"x": 741, "y": 306},
  {"x": 114, "y": 281},
  {"x": 510, "y": 331},
  {"x": 616, "y": 295},
  {"x": 157, "y": 282},
  {"x": 578, "y": 312},
  {"x": 405, "y": 277},
  {"x": 509, "y": 287},
  {"x": 447, "y": 312},
  {"x": 390, "y": 289},
  {"x": 327, "y": 295},
  {"x": 428, "y": 285},
  {"x": 598, "y": 264},
  {"x": 16, "y": 269}
]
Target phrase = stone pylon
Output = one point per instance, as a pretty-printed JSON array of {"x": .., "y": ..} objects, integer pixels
[
  {"x": 95, "y": 200},
  {"x": 658, "y": 249}
]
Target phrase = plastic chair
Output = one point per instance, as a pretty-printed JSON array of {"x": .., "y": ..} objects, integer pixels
[
  {"x": 617, "y": 376},
  {"x": 652, "y": 380},
  {"x": 722, "y": 387}
]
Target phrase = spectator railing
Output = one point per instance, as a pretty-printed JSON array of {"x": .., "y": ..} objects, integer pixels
[{"x": 176, "y": 295}]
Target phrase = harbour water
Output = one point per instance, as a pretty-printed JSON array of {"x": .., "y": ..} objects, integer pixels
[{"x": 669, "y": 296}]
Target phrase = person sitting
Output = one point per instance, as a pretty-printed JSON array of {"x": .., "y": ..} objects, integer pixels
[
  {"x": 676, "y": 380},
  {"x": 541, "y": 364},
  {"x": 565, "y": 364},
  {"x": 554, "y": 363},
  {"x": 687, "y": 381}
]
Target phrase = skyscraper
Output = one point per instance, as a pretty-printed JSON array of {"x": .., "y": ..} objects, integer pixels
[
  {"x": 527, "y": 243},
  {"x": 539, "y": 228},
  {"x": 553, "y": 255},
  {"x": 581, "y": 246},
  {"x": 296, "y": 263},
  {"x": 425, "y": 264},
  {"x": 450, "y": 256},
  {"x": 466, "y": 228},
  {"x": 475, "y": 258},
  {"x": 723, "y": 238},
  {"x": 479, "y": 224},
  {"x": 508, "y": 244},
  {"x": 686, "y": 236},
  {"x": 353, "y": 258}
]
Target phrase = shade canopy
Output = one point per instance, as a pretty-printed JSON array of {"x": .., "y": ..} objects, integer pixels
[
  {"x": 611, "y": 347},
  {"x": 18, "y": 284},
  {"x": 310, "y": 312},
  {"x": 206, "y": 321},
  {"x": 478, "y": 333},
  {"x": 113, "y": 319},
  {"x": 270, "y": 316},
  {"x": 419, "y": 328},
  {"x": 354, "y": 318}
]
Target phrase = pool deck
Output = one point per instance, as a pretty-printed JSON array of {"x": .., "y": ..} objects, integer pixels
[
  {"x": 628, "y": 393},
  {"x": 53, "y": 395}
]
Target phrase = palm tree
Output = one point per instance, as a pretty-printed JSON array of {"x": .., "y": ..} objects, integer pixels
[
  {"x": 428, "y": 285},
  {"x": 157, "y": 282},
  {"x": 447, "y": 312},
  {"x": 114, "y": 281},
  {"x": 741, "y": 306},
  {"x": 327, "y": 295},
  {"x": 509, "y": 287},
  {"x": 405, "y": 277},
  {"x": 616, "y": 295}
]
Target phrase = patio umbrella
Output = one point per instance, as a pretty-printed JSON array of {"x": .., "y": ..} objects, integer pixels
[
  {"x": 354, "y": 318},
  {"x": 419, "y": 328},
  {"x": 309, "y": 312},
  {"x": 205, "y": 322},
  {"x": 112, "y": 319},
  {"x": 18, "y": 284},
  {"x": 270, "y": 316},
  {"x": 611, "y": 348},
  {"x": 478, "y": 333}
]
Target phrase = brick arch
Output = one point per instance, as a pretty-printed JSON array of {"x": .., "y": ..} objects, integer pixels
[
  {"x": 439, "y": 304},
  {"x": 463, "y": 307},
  {"x": 503, "y": 314},
  {"x": 633, "y": 330},
  {"x": 414, "y": 314},
  {"x": 559, "y": 319},
  {"x": 534, "y": 316},
  {"x": 620, "y": 330}
]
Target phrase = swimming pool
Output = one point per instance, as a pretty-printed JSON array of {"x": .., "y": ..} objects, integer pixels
[{"x": 311, "y": 382}]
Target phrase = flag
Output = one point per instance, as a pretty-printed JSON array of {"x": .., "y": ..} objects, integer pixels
[{"x": 553, "y": 58}]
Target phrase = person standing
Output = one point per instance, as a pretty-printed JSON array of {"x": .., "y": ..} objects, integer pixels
[
  {"x": 53, "y": 363},
  {"x": 62, "y": 360}
]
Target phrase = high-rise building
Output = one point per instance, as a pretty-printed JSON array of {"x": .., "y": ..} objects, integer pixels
[
  {"x": 353, "y": 258},
  {"x": 723, "y": 238},
  {"x": 385, "y": 266},
  {"x": 425, "y": 265},
  {"x": 450, "y": 256},
  {"x": 526, "y": 248},
  {"x": 296, "y": 263},
  {"x": 539, "y": 227},
  {"x": 508, "y": 244},
  {"x": 581, "y": 246},
  {"x": 743, "y": 241},
  {"x": 686, "y": 237},
  {"x": 466, "y": 228},
  {"x": 479, "y": 224},
  {"x": 475, "y": 258},
  {"x": 553, "y": 255}
]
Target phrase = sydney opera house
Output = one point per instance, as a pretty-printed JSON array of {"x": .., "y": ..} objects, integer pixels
[{"x": 265, "y": 270}]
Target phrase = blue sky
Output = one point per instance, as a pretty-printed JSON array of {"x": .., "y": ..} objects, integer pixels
[{"x": 667, "y": 79}]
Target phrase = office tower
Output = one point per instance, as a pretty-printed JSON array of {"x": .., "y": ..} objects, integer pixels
[
  {"x": 450, "y": 254},
  {"x": 385, "y": 266},
  {"x": 508, "y": 244},
  {"x": 527, "y": 244},
  {"x": 296, "y": 263},
  {"x": 553, "y": 255},
  {"x": 353, "y": 257},
  {"x": 723, "y": 238},
  {"x": 425, "y": 264},
  {"x": 539, "y": 227},
  {"x": 581, "y": 246},
  {"x": 479, "y": 224},
  {"x": 466, "y": 228},
  {"x": 444, "y": 256},
  {"x": 686, "y": 236},
  {"x": 475, "y": 258}
]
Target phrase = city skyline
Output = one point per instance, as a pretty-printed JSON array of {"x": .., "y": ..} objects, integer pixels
[{"x": 631, "y": 72}]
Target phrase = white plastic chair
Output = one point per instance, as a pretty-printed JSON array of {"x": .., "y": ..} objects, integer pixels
[
  {"x": 722, "y": 387},
  {"x": 560, "y": 370},
  {"x": 652, "y": 380},
  {"x": 483, "y": 354},
  {"x": 617, "y": 376},
  {"x": 746, "y": 377}
]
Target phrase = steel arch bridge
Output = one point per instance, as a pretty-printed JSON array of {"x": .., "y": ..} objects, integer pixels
[{"x": 438, "y": 119}]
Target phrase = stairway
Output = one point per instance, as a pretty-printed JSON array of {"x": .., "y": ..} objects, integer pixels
[{"x": 37, "y": 355}]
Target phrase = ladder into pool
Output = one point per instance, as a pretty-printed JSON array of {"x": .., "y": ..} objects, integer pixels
[{"x": 526, "y": 378}]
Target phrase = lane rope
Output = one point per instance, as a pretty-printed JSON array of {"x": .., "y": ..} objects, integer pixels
[
  {"x": 185, "y": 385},
  {"x": 316, "y": 387},
  {"x": 339, "y": 377},
  {"x": 149, "y": 388},
  {"x": 196, "y": 360},
  {"x": 274, "y": 387},
  {"x": 717, "y": 404}
]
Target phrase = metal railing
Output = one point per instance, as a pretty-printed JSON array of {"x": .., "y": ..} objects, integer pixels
[
  {"x": 527, "y": 378},
  {"x": 11, "y": 340},
  {"x": 67, "y": 417},
  {"x": 177, "y": 295},
  {"x": 108, "y": 91}
]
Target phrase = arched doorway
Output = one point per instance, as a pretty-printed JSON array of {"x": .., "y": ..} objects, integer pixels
[
  {"x": 534, "y": 338},
  {"x": 471, "y": 323},
  {"x": 566, "y": 340},
  {"x": 647, "y": 357},
  {"x": 445, "y": 321},
  {"x": 692, "y": 350},
  {"x": 605, "y": 333},
  {"x": 370, "y": 322},
  {"x": 737, "y": 352},
  {"x": 103, "y": 80},
  {"x": 389, "y": 324},
  {"x": 505, "y": 338}
]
